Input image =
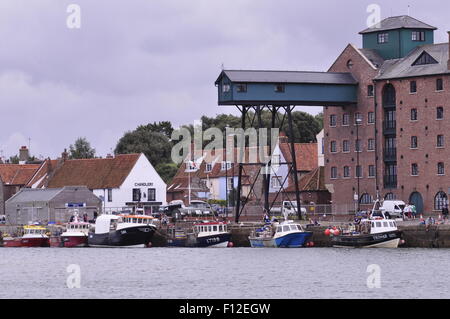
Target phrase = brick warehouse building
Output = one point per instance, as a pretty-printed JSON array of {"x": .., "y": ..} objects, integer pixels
[{"x": 398, "y": 131}]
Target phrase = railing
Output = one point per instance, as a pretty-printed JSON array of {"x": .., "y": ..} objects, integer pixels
[
  {"x": 390, "y": 181},
  {"x": 390, "y": 154},
  {"x": 389, "y": 127}
]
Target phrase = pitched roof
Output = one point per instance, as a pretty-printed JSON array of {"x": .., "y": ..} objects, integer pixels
[
  {"x": 17, "y": 174},
  {"x": 306, "y": 155},
  {"x": 32, "y": 195},
  {"x": 288, "y": 77},
  {"x": 398, "y": 22},
  {"x": 402, "y": 68},
  {"x": 97, "y": 173},
  {"x": 312, "y": 182},
  {"x": 42, "y": 174},
  {"x": 373, "y": 56}
]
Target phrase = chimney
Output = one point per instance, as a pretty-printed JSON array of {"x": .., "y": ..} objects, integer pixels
[
  {"x": 64, "y": 155},
  {"x": 448, "y": 62},
  {"x": 24, "y": 155}
]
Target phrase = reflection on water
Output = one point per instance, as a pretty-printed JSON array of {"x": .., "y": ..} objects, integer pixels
[{"x": 230, "y": 273}]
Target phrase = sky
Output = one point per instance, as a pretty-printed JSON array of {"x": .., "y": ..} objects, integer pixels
[{"x": 133, "y": 62}]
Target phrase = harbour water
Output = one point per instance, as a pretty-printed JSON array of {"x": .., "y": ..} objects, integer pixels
[{"x": 229, "y": 273}]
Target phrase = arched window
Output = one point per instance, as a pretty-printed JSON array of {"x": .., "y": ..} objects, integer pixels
[
  {"x": 389, "y": 196},
  {"x": 366, "y": 199},
  {"x": 389, "y": 96},
  {"x": 440, "y": 201}
]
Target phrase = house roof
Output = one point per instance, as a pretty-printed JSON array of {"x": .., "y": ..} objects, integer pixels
[
  {"x": 402, "y": 68},
  {"x": 398, "y": 22},
  {"x": 97, "y": 173},
  {"x": 34, "y": 195},
  {"x": 373, "y": 56},
  {"x": 42, "y": 173},
  {"x": 312, "y": 182},
  {"x": 306, "y": 155},
  {"x": 17, "y": 174},
  {"x": 288, "y": 77}
]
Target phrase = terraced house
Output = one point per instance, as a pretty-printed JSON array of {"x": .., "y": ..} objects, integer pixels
[{"x": 394, "y": 143}]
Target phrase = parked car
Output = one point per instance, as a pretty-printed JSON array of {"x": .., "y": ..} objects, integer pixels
[{"x": 393, "y": 207}]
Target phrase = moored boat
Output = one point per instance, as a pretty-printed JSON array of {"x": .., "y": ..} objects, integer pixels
[
  {"x": 33, "y": 236},
  {"x": 76, "y": 234},
  {"x": 286, "y": 234},
  {"x": 200, "y": 234},
  {"x": 122, "y": 231}
]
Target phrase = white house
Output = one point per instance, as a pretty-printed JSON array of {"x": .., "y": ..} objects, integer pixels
[{"x": 121, "y": 182}]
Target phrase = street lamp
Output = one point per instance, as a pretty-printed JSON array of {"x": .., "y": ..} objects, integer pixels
[{"x": 358, "y": 121}]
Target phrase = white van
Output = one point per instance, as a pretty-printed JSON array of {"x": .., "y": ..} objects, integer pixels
[
  {"x": 288, "y": 207},
  {"x": 394, "y": 208}
]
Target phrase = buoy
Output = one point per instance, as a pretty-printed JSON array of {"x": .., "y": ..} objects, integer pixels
[
  {"x": 149, "y": 245},
  {"x": 402, "y": 242},
  {"x": 336, "y": 232},
  {"x": 311, "y": 244},
  {"x": 327, "y": 232},
  {"x": 230, "y": 244}
]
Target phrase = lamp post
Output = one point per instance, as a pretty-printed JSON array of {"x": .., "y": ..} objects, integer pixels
[{"x": 358, "y": 121}]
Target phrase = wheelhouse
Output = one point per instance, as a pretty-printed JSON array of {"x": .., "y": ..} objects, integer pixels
[
  {"x": 138, "y": 219},
  {"x": 210, "y": 228}
]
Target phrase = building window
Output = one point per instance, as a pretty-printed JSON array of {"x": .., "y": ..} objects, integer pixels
[
  {"x": 276, "y": 182},
  {"x": 371, "y": 170},
  {"x": 440, "y": 201},
  {"x": 439, "y": 113},
  {"x": 346, "y": 119},
  {"x": 370, "y": 91},
  {"x": 440, "y": 141},
  {"x": 412, "y": 87},
  {"x": 333, "y": 147},
  {"x": 371, "y": 144},
  {"x": 389, "y": 196},
  {"x": 333, "y": 120},
  {"x": 359, "y": 171},
  {"x": 358, "y": 118},
  {"x": 345, "y": 146},
  {"x": 383, "y": 38},
  {"x": 226, "y": 88},
  {"x": 441, "y": 168},
  {"x": 279, "y": 88},
  {"x": 439, "y": 85},
  {"x": 241, "y": 87},
  {"x": 366, "y": 199},
  {"x": 225, "y": 166},
  {"x": 358, "y": 146},
  {"x": 208, "y": 167},
  {"x": 346, "y": 171},
  {"x": 371, "y": 117},
  {"x": 414, "y": 169},
  {"x": 349, "y": 64},
  {"x": 110, "y": 197},
  {"x": 418, "y": 36},
  {"x": 334, "y": 172},
  {"x": 136, "y": 194},
  {"x": 151, "y": 195},
  {"x": 414, "y": 115},
  {"x": 414, "y": 143}
]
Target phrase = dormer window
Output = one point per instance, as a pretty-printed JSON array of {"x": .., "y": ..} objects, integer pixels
[
  {"x": 424, "y": 59},
  {"x": 226, "y": 166},
  {"x": 418, "y": 36},
  {"x": 383, "y": 37},
  {"x": 208, "y": 167}
]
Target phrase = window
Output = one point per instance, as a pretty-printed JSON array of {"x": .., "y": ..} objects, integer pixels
[
  {"x": 151, "y": 195},
  {"x": 389, "y": 196},
  {"x": 334, "y": 172},
  {"x": 412, "y": 87},
  {"x": 345, "y": 146},
  {"x": 414, "y": 169},
  {"x": 439, "y": 85},
  {"x": 110, "y": 195},
  {"x": 414, "y": 143},
  {"x": 230, "y": 184},
  {"x": 359, "y": 172},
  {"x": 366, "y": 199},
  {"x": 279, "y": 88},
  {"x": 440, "y": 141},
  {"x": 349, "y": 64},
  {"x": 346, "y": 119},
  {"x": 136, "y": 194},
  {"x": 371, "y": 144},
  {"x": 441, "y": 168},
  {"x": 225, "y": 166},
  {"x": 413, "y": 114},
  {"x": 424, "y": 59},
  {"x": 358, "y": 146},
  {"x": 371, "y": 170},
  {"x": 333, "y": 147},
  {"x": 208, "y": 167},
  {"x": 346, "y": 171},
  {"x": 383, "y": 38},
  {"x": 440, "y": 201},
  {"x": 418, "y": 36},
  {"x": 440, "y": 113},
  {"x": 241, "y": 87},
  {"x": 371, "y": 117},
  {"x": 333, "y": 120},
  {"x": 276, "y": 181},
  {"x": 226, "y": 88},
  {"x": 358, "y": 119},
  {"x": 370, "y": 91}
]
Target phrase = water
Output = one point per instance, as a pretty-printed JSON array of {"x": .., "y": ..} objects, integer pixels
[{"x": 230, "y": 273}]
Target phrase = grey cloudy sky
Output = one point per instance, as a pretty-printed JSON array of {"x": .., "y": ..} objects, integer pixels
[{"x": 138, "y": 61}]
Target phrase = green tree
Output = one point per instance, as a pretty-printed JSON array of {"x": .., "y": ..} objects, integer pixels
[
  {"x": 81, "y": 149},
  {"x": 167, "y": 171}
]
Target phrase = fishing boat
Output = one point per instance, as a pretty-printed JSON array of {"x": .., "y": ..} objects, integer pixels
[
  {"x": 33, "y": 236},
  {"x": 200, "y": 234},
  {"x": 287, "y": 234},
  {"x": 122, "y": 231},
  {"x": 76, "y": 234},
  {"x": 377, "y": 231}
]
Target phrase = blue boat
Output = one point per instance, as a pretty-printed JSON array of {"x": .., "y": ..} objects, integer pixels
[{"x": 280, "y": 235}]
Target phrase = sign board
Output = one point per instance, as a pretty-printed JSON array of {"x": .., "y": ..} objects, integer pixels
[{"x": 75, "y": 205}]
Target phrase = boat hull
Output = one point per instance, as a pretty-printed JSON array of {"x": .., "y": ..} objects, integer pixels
[
  {"x": 35, "y": 242},
  {"x": 291, "y": 240},
  {"x": 139, "y": 236},
  {"x": 14, "y": 242},
  {"x": 215, "y": 241},
  {"x": 74, "y": 241},
  {"x": 382, "y": 240}
]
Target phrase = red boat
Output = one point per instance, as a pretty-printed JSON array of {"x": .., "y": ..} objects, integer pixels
[
  {"x": 34, "y": 236},
  {"x": 76, "y": 234},
  {"x": 12, "y": 242}
]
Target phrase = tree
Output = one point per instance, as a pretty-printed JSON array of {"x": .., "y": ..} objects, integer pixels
[
  {"x": 167, "y": 171},
  {"x": 164, "y": 127},
  {"x": 81, "y": 149}
]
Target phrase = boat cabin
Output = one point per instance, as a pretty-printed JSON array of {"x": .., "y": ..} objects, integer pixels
[
  {"x": 210, "y": 228},
  {"x": 78, "y": 227},
  {"x": 34, "y": 230},
  {"x": 288, "y": 228},
  {"x": 382, "y": 226},
  {"x": 138, "y": 219}
]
